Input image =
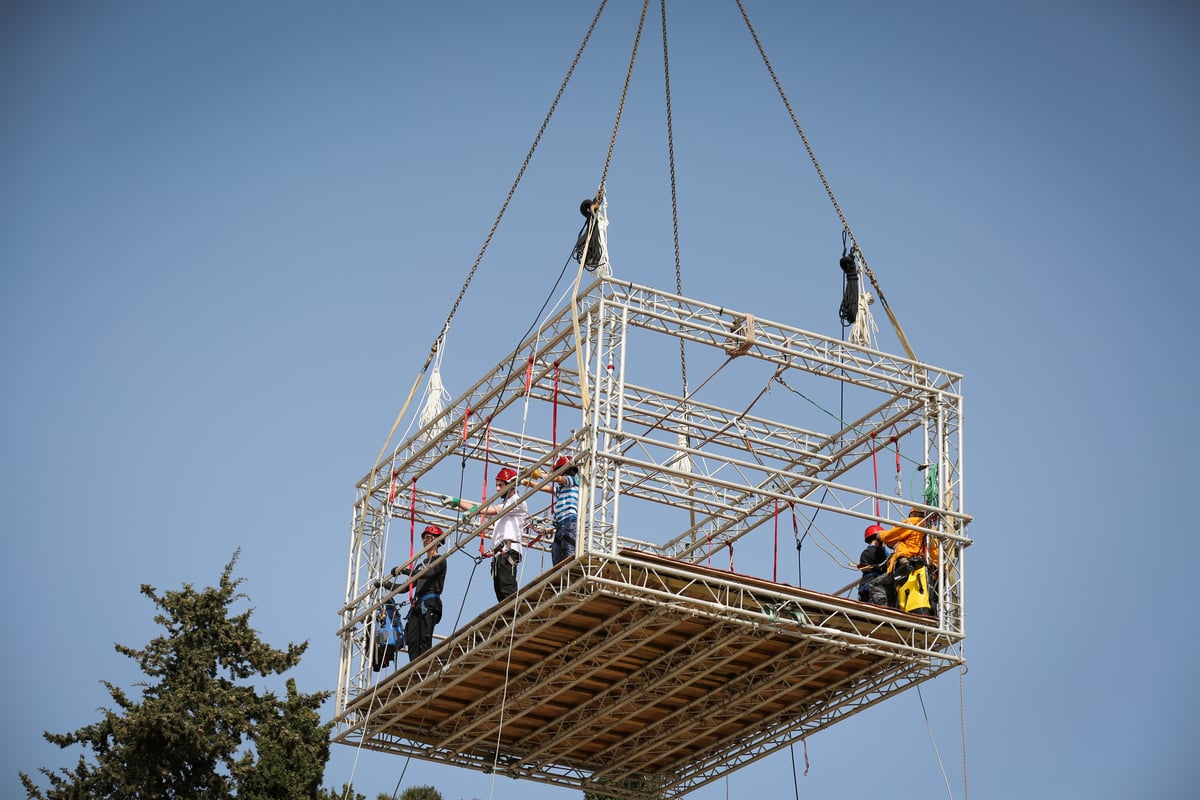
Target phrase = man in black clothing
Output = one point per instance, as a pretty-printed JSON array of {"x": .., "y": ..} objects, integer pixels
[
  {"x": 873, "y": 564},
  {"x": 426, "y": 608}
]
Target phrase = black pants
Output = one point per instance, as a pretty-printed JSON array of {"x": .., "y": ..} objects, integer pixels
[
  {"x": 874, "y": 589},
  {"x": 418, "y": 628},
  {"x": 504, "y": 574}
]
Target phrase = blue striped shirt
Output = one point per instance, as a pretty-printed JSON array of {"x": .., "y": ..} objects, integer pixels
[{"x": 566, "y": 499}]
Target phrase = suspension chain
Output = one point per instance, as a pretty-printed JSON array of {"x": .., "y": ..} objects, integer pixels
[
  {"x": 824, "y": 182},
  {"x": 612, "y": 142},
  {"x": 674, "y": 194},
  {"x": 437, "y": 342},
  {"x": 525, "y": 164}
]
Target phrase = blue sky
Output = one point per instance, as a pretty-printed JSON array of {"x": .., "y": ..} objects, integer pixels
[{"x": 231, "y": 231}]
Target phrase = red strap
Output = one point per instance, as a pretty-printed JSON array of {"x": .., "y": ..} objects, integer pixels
[
  {"x": 899, "y": 485},
  {"x": 554, "y": 413},
  {"x": 775, "y": 554},
  {"x": 412, "y": 533},
  {"x": 875, "y": 472},
  {"x": 554, "y": 435},
  {"x": 529, "y": 374},
  {"x": 487, "y": 449}
]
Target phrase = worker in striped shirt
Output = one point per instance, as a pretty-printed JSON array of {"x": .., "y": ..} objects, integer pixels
[{"x": 565, "y": 486}]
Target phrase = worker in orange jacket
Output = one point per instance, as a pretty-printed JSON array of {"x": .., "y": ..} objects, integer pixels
[
  {"x": 909, "y": 552},
  {"x": 905, "y": 542}
]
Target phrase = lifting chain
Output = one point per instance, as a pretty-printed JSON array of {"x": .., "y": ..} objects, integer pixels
[{"x": 824, "y": 182}]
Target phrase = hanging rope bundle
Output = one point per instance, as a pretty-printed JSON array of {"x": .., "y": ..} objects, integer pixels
[
  {"x": 848, "y": 311},
  {"x": 591, "y": 246},
  {"x": 435, "y": 401},
  {"x": 864, "y": 330},
  {"x": 855, "y": 310},
  {"x": 683, "y": 461}
]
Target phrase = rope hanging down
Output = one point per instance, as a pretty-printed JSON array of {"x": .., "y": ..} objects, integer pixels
[
  {"x": 495, "y": 225},
  {"x": 825, "y": 182}
]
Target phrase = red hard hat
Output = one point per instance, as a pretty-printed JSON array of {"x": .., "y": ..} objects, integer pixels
[
  {"x": 505, "y": 475},
  {"x": 873, "y": 530},
  {"x": 432, "y": 530},
  {"x": 562, "y": 462}
]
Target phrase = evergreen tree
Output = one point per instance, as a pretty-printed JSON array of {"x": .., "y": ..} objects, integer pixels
[{"x": 199, "y": 730}]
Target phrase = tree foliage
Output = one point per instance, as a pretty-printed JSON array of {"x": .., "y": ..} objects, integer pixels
[
  {"x": 345, "y": 793},
  {"x": 199, "y": 729},
  {"x": 420, "y": 793},
  {"x": 643, "y": 787}
]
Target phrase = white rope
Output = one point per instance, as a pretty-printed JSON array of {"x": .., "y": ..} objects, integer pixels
[
  {"x": 372, "y": 631},
  {"x": 962, "y": 717},
  {"x": 863, "y": 331},
  {"x": 817, "y": 534},
  {"x": 604, "y": 270},
  {"x": 683, "y": 461},
  {"x": 516, "y": 597},
  {"x": 937, "y": 755},
  {"x": 436, "y": 398}
]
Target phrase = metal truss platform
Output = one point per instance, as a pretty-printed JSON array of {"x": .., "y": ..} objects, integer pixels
[
  {"x": 644, "y": 677},
  {"x": 640, "y": 669}
]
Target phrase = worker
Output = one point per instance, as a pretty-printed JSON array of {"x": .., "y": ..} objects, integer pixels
[
  {"x": 873, "y": 565},
  {"x": 908, "y": 569},
  {"x": 565, "y": 487},
  {"x": 508, "y": 519},
  {"x": 426, "y": 611}
]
